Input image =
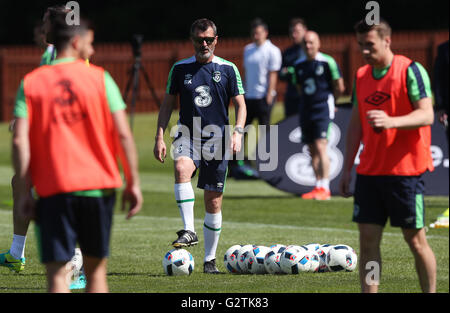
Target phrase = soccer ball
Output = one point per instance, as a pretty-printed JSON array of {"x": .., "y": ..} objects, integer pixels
[
  {"x": 295, "y": 247},
  {"x": 178, "y": 262},
  {"x": 341, "y": 257},
  {"x": 314, "y": 259},
  {"x": 322, "y": 253},
  {"x": 76, "y": 263},
  {"x": 272, "y": 259},
  {"x": 311, "y": 247},
  {"x": 241, "y": 263},
  {"x": 255, "y": 260},
  {"x": 294, "y": 260},
  {"x": 277, "y": 248},
  {"x": 230, "y": 258}
]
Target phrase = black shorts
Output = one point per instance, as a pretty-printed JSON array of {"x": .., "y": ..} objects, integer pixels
[
  {"x": 259, "y": 109},
  {"x": 315, "y": 123},
  {"x": 399, "y": 198},
  {"x": 63, "y": 220},
  {"x": 212, "y": 164}
]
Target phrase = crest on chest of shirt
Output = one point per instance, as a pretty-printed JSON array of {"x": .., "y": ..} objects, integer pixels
[
  {"x": 216, "y": 76},
  {"x": 319, "y": 70},
  {"x": 188, "y": 79}
]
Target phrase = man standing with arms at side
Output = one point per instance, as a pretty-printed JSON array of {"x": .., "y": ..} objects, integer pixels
[
  {"x": 205, "y": 84},
  {"x": 319, "y": 83},
  {"x": 292, "y": 55},
  {"x": 70, "y": 127},
  {"x": 262, "y": 61},
  {"x": 391, "y": 116}
]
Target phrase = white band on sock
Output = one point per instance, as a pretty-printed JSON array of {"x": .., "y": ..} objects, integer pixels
[
  {"x": 211, "y": 232},
  {"x": 184, "y": 195}
]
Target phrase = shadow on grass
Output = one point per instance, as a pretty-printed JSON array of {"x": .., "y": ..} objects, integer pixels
[
  {"x": 258, "y": 197},
  {"x": 13, "y": 289},
  {"x": 135, "y": 274}
]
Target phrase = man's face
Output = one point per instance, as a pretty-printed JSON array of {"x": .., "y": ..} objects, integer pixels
[
  {"x": 204, "y": 44},
  {"x": 259, "y": 34},
  {"x": 298, "y": 33},
  {"x": 373, "y": 47},
  {"x": 83, "y": 44},
  {"x": 311, "y": 44}
]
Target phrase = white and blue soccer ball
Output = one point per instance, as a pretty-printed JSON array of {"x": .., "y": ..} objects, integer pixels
[
  {"x": 230, "y": 259},
  {"x": 178, "y": 262},
  {"x": 322, "y": 253},
  {"x": 294, "y": 260},
  {"x": 272, "y": 259},
  {"x": 255, "y": 260},
  {"x": 311, "y": 247},
  {"x": 243, "y": 253},
  {"x": 314, "y": 261},
  {"x": 341, "y": 257}
]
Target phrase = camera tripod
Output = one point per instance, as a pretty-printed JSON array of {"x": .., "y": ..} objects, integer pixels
[{"x": 133, "y": 80}]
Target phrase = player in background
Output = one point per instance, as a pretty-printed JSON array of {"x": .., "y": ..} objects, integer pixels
[
  {"x": 391, "y": 116},
  {"x": 441, "y": 97},
  {"x": 319, "y": 82},
  {"x": 14, "y": 258},
  {"x": 85, "y": 131},
  {"x": 262, "y": 61},
  {"x": 292, "y": 55},
  {"x": 205, "y": 85},
  {"x": 441, "y": 85}
]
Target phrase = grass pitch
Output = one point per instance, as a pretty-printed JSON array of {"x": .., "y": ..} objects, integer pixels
[{"x": 253, "y": 213}]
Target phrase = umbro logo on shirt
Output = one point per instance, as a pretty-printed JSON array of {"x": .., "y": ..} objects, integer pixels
[
  {"x": 188, "y": 79},
  {"x": 377, "y": 98}
]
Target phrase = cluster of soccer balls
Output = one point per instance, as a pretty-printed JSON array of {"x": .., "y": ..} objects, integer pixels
[
  {"x": 276, "y": 259},
  {"x": 292, "y": 259}
]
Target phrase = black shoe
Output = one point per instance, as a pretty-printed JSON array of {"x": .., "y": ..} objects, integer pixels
[
  {"x": 186, "y": 238},
  {"x": 210, "y": 267}
]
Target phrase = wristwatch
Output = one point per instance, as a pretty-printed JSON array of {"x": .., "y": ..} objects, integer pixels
[{"x": 239, "y": 130}]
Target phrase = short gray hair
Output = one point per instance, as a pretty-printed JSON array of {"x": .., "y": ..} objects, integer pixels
[{"x": 203, "y": 24}]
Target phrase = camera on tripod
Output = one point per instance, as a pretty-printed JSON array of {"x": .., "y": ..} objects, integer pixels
[
  {"x": 133, "y": 82},
  {"x": 136, "y": 44}
]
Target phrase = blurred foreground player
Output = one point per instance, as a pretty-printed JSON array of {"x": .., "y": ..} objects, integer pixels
[
  {"x": 391, "y": 116},
  {"x": 77, "y": 113}
]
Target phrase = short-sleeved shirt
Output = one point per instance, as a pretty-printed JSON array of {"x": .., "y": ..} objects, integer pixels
[
  {"x": 259, "y": 61},
  {"x": 418, "y": 82},
  {"x": 315, "y": 78},
  {"x": 48, "y": 56},
  {"x": 115, "y": 102},
  {"x": 205, "y": 91},
  {"x": 113, "y": 94}
]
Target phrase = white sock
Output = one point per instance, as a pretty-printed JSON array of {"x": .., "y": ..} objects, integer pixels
[
  {"x": 211, "y": 232},
  {"x": 18, "y": 246},
  {"x": 326, "y": 183},
  {"x": 318, "y": 183},
  {"x": 184, "y": 194}
]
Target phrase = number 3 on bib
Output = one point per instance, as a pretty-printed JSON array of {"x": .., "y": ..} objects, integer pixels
[{"x": 204, "y": 98}]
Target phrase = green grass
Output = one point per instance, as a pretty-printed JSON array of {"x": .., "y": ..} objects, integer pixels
[{"x": 253, "y": 213}]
